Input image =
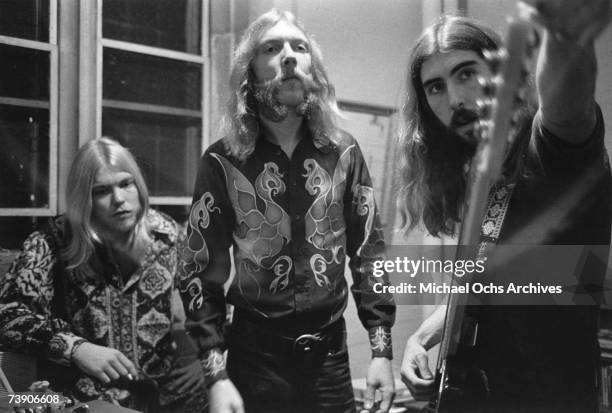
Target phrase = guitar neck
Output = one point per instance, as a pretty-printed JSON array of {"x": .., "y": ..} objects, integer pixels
[
  {"x": 486, "y": 170},
  {"x": 467, "y": 248},
  {"x": 487, "y": 163}
]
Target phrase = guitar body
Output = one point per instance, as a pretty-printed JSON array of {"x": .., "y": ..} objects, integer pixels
[{"x": 464, "y": 387}]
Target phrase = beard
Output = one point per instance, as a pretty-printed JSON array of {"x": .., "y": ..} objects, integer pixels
[
  {"x": 448, "y": 154},
  {"x": 445, "y": 146},
  {"x": 266, "y": 95},
  {"x": 462, "y": 117},
  {"x": 461, "y": 147}
]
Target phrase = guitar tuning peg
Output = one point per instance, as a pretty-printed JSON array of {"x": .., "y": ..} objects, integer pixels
[
  {"x": 494, "y": 58},
  {"x": 533, "y": 40},
  {"x": 489, "y": 86},
  {"x": 512, "y": 134},
  {"x": 484, "y": 107},
  {"x": 478, "y": 132},
  {"x": 525, "y": 73},
  {"x": 516, "y": 117},
  {"x": 521, "y": 97},
  {"x": 482, "y": 128}
]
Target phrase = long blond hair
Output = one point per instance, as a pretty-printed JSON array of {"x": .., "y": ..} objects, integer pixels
[{"x": 93, "y": 156}]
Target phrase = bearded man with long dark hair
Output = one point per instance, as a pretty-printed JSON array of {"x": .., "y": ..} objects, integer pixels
[
  {"x": 290, "y": 192},
  {"x": 554, "y": 190}
]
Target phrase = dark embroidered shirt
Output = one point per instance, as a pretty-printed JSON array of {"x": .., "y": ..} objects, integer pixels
[
  {"x": 292, "y": 223},
  {"x": 45, "y": 308}
]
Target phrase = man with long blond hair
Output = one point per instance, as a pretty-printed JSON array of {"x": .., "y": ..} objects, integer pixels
[
  {"x": 554, "y": 190},
  {"x": 94, "y": 293},
  {"x": 291, "y": 193}
]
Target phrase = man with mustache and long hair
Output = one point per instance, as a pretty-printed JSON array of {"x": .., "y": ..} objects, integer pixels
[
  {"x": 290, "y": 192},
  {"x": 555, "y": 191}
]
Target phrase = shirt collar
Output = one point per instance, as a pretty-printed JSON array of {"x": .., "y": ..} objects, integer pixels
[{"x": 322, "y": 142}]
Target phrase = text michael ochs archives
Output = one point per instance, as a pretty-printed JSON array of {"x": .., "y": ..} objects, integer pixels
[{"x": 407, "y": 267}]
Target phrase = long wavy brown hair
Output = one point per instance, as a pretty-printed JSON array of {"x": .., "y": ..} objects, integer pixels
[
  {"x": 433, "y": 159},
  {"x": 241, "y": 121}
]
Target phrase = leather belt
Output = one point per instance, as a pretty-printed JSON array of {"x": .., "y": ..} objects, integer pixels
[{"x": 329, "y": 339}]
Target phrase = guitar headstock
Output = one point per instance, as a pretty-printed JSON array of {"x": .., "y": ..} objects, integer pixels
[{"x": 506, "y": 95}]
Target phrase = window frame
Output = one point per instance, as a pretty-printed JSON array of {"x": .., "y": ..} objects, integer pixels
[
  {"x": 91, "y": 77},
  {"x": 51, "y": 106}
]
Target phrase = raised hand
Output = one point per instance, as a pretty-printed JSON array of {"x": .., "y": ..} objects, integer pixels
[{"x": 575, "y": 21}]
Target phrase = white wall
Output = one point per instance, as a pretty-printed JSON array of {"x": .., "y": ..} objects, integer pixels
[{"x": 365, "y": 44}]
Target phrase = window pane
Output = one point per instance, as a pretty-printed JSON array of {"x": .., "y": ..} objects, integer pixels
[
  {"x": 27, "y": 19},
  {"x": 24, "y": 73},
  {"x": 24, "y": 158},
  {"x": 167, "y": 147},
  {"x": 136, "y": 77},
  {"x": 169, "y": 24}
]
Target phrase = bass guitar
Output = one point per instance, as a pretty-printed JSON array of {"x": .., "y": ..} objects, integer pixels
[{"x": 455, "y": 379}]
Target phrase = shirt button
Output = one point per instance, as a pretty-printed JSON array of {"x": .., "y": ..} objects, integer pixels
[{"x": 297, "y": 217}]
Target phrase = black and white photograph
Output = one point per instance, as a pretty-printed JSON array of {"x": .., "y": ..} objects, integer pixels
[{"x": 305, "y": 206}]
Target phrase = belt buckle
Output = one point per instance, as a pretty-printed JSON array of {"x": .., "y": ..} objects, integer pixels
[{"x": 306, "y": 343}]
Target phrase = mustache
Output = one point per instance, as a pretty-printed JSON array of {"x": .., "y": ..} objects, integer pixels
[
  {"x": 273, "y": 84},
  {"x": 462, "y": 116}
]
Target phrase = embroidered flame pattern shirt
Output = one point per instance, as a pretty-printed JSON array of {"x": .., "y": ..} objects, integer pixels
[{"x": 292, "y": 224}]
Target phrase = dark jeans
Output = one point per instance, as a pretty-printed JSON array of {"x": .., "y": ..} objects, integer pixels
[{"x": 273, "y": 383}]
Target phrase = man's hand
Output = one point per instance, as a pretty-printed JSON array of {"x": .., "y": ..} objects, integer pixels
[
  {"x": 415, "y": 371},
  {"x": 187, "y": 379},
  {"x": 380, "y": 376},
  {"x": 103, "y": 363},
  {"x": 575, "y": 21},
  {"x": 224, "y": 398}
]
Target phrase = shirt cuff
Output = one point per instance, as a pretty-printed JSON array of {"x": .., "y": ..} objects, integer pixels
[
  {"x": 60, "y": 347},
  {"x": 380, "y": 342},
  {"x": 214, "y": 367}
]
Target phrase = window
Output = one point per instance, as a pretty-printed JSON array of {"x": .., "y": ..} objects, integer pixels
[
  {"x": 134, "y": 70},
  {"x": 153, "y": 83},
  {"x": 28, "y": 108}
]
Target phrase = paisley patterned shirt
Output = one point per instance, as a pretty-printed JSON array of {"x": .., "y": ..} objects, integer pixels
[
  {"x": 45, "y": 308},
  {"x": 292, "y": 223}
]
